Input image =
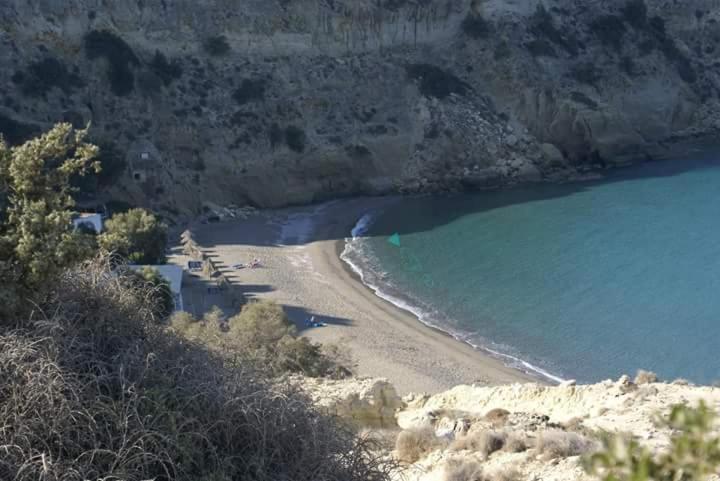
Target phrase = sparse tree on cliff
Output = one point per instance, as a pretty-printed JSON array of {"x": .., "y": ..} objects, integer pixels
[
  {"x": 137, "y": 235},
  {"x": 37, "y": 240}
]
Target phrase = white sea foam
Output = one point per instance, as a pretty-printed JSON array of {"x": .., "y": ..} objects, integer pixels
[
  {"x": 362, "y": 225},
  {"x": 353, "y": 248}
]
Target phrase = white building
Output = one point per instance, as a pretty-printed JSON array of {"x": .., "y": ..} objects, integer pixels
[
  {"x": 90, "y": 220},
  {"x": 171, "y": 273}
]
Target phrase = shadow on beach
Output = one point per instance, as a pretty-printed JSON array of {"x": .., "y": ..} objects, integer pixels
[{"x": 334, "y": 220}]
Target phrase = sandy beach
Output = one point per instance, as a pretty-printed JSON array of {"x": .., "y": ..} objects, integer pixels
[{"x": 299, "y": 250}]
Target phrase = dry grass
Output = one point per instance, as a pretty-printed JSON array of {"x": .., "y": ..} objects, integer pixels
[
  {"x": 463, "y": 470},
  {"x": 483, "y": 441},
  {"x": 645, "y": 377},
  {"x": 414, "y": 444},
  {"x": 516, "y": 442},
  {"x": 505, "y": 473},
  {"x": 555, "y": 443},
  {"x": 383, "y": 438},
  {"x": 470, "y": 469},
  {"x": 95, "y": 389}
]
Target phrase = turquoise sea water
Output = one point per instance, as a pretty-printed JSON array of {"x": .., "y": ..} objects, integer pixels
[{"x": 584, "y": 281}]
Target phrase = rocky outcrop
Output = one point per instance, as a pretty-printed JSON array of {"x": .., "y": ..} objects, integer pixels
[
  {"x": 573, "y": 415},
  {"x": 366, "y": 402},
  {"x": 613, "y": 406},
  {"x": 292, "y": 101}
]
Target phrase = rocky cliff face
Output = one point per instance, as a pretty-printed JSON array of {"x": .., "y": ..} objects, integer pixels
[{"x": 273, "y": 102}]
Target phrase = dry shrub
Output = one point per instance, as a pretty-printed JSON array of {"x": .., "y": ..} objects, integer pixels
[
  {"x": 466, "y": 469},
  {"x": 414, "y": 444},
  {"x": 98, "y": 390},
  {"x": 470, "y": 469},
  {"x": 577, "y": 425},
  {"x": 555, "y": 443},
  {"x": 497, "y": 416},
  {"x": 484, "y": 442},
  {"x": 383, "y": 438},
  {"x": 504, "y": 473},
  {"x": 516, "y": 442},
  {"x": 645, "y": 377}
]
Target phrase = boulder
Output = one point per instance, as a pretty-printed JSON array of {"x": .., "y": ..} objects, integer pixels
[
  {"x": 552, "y": 154},
  {"x": 369, "y": 403},
  {"x": 529, "y": 173}
]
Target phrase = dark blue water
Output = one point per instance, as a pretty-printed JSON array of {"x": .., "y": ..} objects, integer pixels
[{"x": 584, "y": 281}]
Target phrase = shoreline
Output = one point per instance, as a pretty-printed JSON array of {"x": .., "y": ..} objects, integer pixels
[
  {"x": 304, "y": 272},
  {"x": 533, "y": 372},
  {"x": 357, "y": 273},
  {"x": 340, "y": 247}
]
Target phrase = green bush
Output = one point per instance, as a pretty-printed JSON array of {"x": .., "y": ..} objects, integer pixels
[
  {"x": 115, "y": 206},
  {"x": 44, "y": 75},
  {"x": 358, "y": 152},
  {"x": 217, "y": 46},
  {"x": 586, "y": 73},
  {"x": 502, "y": 50},
  {"x": 542, "y": 25},
  {"x": 37, "y": 240},
  {"x": 275, "y": 135},
  {"x": 120, "y": 57},
  {"x": 476, "y": 26},
  {"x": 657, "y": 26},
  {"x": 148, "y": 83},
  {"x": 541, "y": 48},
  {"x": 111, "y": 165},
  {"x": 435, "y": 82},
  {"x": 295, "y": 138},
  {"x": 693, "y": 455},
  {"x": 635, "y": 13},
  {"x": 262, "y": 335},
  {"x": 627, "y": 64},
  {"x": 16, "y": 132},
  {"x": 250, "y": 91},
  {"x": 136, "y": 235},
  {"x": 167, "y": 71},
  {"x": 610, "y": 29}
]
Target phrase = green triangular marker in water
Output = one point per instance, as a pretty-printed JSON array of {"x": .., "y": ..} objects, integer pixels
[{"x": 395, "y": 239}]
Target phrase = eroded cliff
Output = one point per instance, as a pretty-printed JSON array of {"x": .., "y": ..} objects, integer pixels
[{"x": 290, "y": 101}]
